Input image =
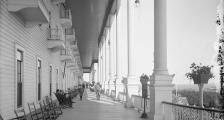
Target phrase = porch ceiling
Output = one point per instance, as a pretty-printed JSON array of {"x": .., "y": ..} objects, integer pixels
[{"x": 87, "y": 17}]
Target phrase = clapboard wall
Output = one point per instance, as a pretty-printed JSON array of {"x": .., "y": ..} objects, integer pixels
[{"x": 33, "y": 39}]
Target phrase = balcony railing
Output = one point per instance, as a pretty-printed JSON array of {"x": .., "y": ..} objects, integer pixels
[
  {"x": 65, "y": 55},
  {"x": 183, "y": 112},
  {"x": 65, "y": 17},
  {"x": 71, "y": 64},
  {"x": 55, "y": 33},
  {"x": 65, "y": 52},
  {"x": 69, "y": 31},
  {"x": 56, "y": 39},
  {"x": 70, "y": 34}
]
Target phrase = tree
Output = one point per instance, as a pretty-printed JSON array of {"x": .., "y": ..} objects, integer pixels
[{"x": 200, "y": 75}]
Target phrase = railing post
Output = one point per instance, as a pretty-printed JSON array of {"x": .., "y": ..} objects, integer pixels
[
  {"x": 167, "y": 112},
  {"x": 163, "y": 110}
]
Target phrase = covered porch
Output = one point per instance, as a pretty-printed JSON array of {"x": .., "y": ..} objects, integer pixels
[{"x": 110, "y": 58}]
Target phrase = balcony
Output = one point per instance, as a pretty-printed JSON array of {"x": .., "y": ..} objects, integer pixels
[
  {"x": 58, "y": 1},
  {"x": 70, "y": 34},
  {"x": 65, "y": 55},
  {"x": 65, "y": 17},
  {"x": 185, "y": 112},
  {"x": 71, "y": 65},
  {"x": 56, "y": 39},
  {"x": 33, "y": 12},
  {"x": 74, "y": 46}
]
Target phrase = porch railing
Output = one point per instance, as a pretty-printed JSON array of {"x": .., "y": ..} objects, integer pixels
[
  {"x": 121, "y": 97},
  {"x": 173, "y": 111},
  {"x": 138, "y": 103}
]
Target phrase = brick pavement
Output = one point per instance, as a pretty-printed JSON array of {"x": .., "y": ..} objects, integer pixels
[{"x": 104, "y": 109}]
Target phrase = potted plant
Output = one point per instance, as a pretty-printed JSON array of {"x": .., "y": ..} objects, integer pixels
[{"x": 200, "y": 75}]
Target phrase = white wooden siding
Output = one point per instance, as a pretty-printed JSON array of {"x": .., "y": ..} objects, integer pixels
[{"x": 34, "y": 41}]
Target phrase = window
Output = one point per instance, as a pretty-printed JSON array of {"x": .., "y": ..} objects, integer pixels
[
  {"x": 39, "y": 67},
  {"x": 50, "y": 80},
  {"x": 57, "y": 87},
  {"x": 19, "y": 77}
]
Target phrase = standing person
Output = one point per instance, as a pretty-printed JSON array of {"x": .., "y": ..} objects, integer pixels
[
  {"x": 81, "y": 91},
  {"x": 97, "y": 90}
]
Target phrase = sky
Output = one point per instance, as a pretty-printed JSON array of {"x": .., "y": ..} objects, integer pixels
[
  {"x": 191, "y": 36},
  {"x": 191, "y": 31}
]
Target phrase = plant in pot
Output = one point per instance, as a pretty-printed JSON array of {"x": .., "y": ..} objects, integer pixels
[{"x": 200, "y": 74}]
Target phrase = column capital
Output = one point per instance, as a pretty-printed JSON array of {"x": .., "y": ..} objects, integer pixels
[
  {"x": 161, "y": 79},
  {"x": 132, "y": 79}
]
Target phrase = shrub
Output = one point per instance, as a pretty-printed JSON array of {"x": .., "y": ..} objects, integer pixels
[{"x": 211, "y": 99}]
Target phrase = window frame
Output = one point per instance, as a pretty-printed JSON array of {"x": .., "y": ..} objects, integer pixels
[
  {"x": 37, "y": 78},
  {"x": 19, "y": 48},
  {"x": 50, "y": 79},
  {"x": 57, "y": 78}
]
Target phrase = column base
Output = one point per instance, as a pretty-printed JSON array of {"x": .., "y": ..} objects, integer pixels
[
  {"x": 153, "y": 116},
  {"x": 132, "y": 88},
  {"x": 144, "y": 115},
  {"x": 160, "y": 90}
]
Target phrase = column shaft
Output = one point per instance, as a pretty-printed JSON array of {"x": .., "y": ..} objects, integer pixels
[
  {"x": 101, "y": 64},
  {"x": 110, "y": 61},
  {"x": 160, "y": 42},
  {"x": 130, "y": 37},
  {"x": 160, "y": 81},
  {"x": 105, "y": 67},
  {"x": 117, "y": 75}
]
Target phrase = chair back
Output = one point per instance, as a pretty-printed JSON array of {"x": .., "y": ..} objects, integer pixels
[
  {"x": 20, "y": 114},
  {"x": 33, "y": 111},
  {"x": 41, "y": 107}
]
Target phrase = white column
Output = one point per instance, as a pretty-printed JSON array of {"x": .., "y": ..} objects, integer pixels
[
  {"x": 109, "y": 60},
  {"x": 130, "y": 38},
  {"x": 118, "y": 49},
  {"x": 101, "y": 57},
  {"x": 100, "y": 65},
  {"x": 112, "y": 55},
  {"x": 160, "y": 81},
  {"x": 132, "y": 79},
  {"x": 160, "y": 42},
  {"x": 104, "y": 63},
  {"x": 114, "y": 49}
]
